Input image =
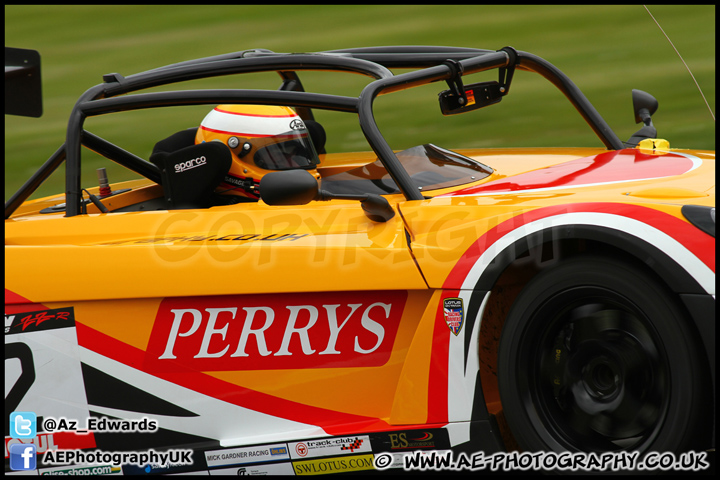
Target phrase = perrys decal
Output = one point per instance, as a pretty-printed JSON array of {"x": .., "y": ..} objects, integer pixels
[
  {"x": 267, "y": 332},
  {"x": 453, "y": 313}
]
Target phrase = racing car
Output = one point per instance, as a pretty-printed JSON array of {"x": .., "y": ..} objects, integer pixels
[{"x": 275, "y": 306}]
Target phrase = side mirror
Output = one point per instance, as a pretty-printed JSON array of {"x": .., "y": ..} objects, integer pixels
[
  {"x": 644, "y": 105},
  {"x": 376, "y": 208},
  {"x": 299, "y": 187},
  {"x": 288, "y": 187}
]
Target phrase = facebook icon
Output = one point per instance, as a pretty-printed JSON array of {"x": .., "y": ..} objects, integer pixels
[{"x": 23, "y": 456}]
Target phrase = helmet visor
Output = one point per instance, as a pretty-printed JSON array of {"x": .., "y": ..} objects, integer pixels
[{"x": 294, "y": 149}]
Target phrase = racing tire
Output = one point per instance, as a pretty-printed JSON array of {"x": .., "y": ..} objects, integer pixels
[{"x": 596, "y": 355}]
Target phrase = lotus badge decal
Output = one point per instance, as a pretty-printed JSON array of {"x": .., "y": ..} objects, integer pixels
[{"x": 453, "y": 312}]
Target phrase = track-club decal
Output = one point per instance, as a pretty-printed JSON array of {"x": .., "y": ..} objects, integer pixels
[{"x": 266, "y": 332}]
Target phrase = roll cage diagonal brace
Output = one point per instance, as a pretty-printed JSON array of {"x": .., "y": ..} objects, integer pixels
[
  {"x": 401, "y": 82},
  {"x": 533, "y": 63},
  {"x": 178, "y": 98},
  {"x": 95, "y": 101},
  {"x": 447, "y": 71},
  {"x": 372, "y": 61}
]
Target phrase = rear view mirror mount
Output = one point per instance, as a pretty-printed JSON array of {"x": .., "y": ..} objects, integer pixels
[
  {"x": 477, "y": 95},
  {"x": 460, "y": 99}
]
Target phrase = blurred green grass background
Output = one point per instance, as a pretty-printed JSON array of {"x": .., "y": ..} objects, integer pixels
[{"x": 607, "y": 50}]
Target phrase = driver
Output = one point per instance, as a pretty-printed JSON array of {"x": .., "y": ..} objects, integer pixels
[{"x": 262, "y": 139}]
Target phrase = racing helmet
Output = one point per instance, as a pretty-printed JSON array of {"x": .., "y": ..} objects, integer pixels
[{"x": 262, "y": 139}]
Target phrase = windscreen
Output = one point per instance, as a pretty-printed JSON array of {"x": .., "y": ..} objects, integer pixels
[{"x": 430, "y": 168}]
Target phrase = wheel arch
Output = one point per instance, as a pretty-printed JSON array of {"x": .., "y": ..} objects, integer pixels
[
  {"x": 520, "y": 261},
  {"x": 543, "y": 247}
]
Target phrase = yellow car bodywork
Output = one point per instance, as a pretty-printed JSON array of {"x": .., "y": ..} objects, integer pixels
[
  {"x": 126, "y": 265},
  {"x": 259, "y": 324}
]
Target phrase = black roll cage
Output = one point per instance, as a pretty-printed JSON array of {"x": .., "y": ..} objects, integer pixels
[{"x": 431, "y": 64}]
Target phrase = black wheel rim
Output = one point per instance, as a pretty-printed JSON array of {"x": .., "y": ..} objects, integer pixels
[{"x": 594, "y": 373}]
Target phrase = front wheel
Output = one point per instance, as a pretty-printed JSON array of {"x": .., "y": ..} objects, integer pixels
[{"x": 596, "y": 355}]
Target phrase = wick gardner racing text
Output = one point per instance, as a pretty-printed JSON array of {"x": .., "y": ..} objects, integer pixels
[{"x": 565, "y": 461}]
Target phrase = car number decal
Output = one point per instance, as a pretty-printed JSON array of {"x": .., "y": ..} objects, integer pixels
[{"x": 43, "y": 374}]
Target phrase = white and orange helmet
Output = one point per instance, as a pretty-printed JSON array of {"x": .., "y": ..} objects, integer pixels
[{"x": 262, "y": 139}]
